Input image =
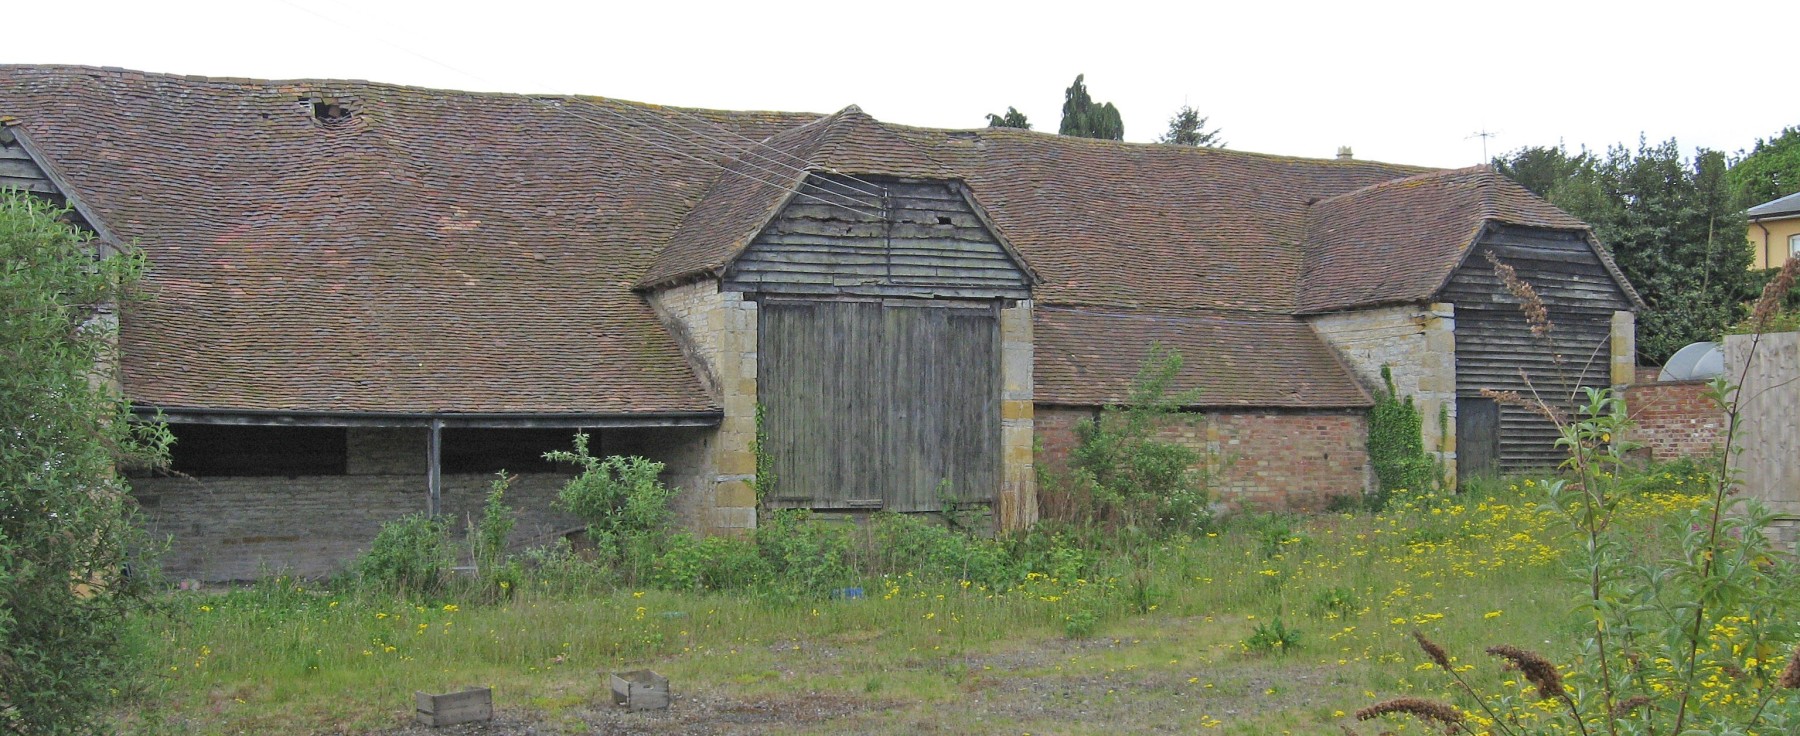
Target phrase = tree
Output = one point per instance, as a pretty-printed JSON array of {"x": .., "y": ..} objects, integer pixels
[
  {"x": 1674, "y": 226},
  {"x": 1012, "y": 119},
  {"x": 1770, "y": 171},
  {"x": 70, "y": 551},
  {"x": 1543, "y": 169},
  {"x": 1084, "y": 119},
  {"x": 1188, "y": 128}
]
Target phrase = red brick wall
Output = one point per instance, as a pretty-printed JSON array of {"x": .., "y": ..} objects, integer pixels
[
  {"x": 1294, "y": 461},
  {"x": 1674, "y": 419}
]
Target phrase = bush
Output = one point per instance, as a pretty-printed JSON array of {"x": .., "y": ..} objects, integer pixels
[
  {"x": 1121, "y": 476},
  {"x": 411, "y": 555},
  {"x": 625, "y": 505},
  {"x": 709, "y": 563},
  {"x": 488, "y": 540},
  {"x": 806, "y": 558},
  {"x": 74, "y": 562},
  {"x": 900, "y": 543}
]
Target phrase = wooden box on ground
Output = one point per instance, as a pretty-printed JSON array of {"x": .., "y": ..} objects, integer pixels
[
  {"x": 640, "y": 690},
  {"x": 476, "y": 704}
]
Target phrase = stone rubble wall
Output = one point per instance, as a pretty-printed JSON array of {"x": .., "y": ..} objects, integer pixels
[
  {"x": 1418, "y": 345},
  {"x": 240, "y": 528}
]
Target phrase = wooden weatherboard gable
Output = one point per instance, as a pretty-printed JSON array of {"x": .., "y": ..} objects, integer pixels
[
  {"x": 17, "y": 169},
  {"x": 921, "y": 238},
  {"x": 23, "y": 168},
  {"x": 1493, "y": 342}
]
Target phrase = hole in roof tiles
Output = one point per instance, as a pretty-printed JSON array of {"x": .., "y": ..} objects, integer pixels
[
  {"x": 943, "y": 219},
  {"x": 330, "y": 114}
]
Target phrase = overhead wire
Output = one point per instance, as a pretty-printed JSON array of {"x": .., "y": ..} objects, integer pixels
[
  {"x": 877, "y": 188},
  {"x": 738, "y": 157}
]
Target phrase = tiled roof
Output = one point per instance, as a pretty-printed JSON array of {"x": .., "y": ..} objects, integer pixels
[
  {"x": 1787, "y": 206},
  {"x": 1398, "y": 241},
  {"x": 1088, "y": 356},
  {"x": 1148, "y": 226},
  {"x": 460, "y": 252},
  {"x": 437, "y": 252},
  {"x": 741, "y": 203}
]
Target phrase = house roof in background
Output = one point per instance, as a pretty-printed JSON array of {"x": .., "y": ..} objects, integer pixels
[
  {"x": 464, "y": 252},
  {"x": 1788, "y": 206}
]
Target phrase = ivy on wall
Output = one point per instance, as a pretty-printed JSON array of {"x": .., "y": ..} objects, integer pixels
[{"x": 1397, "y": 444}]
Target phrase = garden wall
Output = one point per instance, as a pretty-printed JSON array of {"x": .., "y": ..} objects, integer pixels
[
  {"x": 1674, "y": 418},
  {"x": 1266, "y": 460}
]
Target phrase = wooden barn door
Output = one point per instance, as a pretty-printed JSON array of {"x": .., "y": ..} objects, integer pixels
[
  {"x": 1477, "y": 437},
  {"x": 871, "y": 405}
]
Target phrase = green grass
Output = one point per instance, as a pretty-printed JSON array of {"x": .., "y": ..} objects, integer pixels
[{"x": 1468, "y": 571}]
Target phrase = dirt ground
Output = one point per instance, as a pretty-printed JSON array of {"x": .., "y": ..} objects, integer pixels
[{"x": 1009, "y": 692}]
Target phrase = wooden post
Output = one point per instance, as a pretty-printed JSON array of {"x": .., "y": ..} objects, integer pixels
[{"x": 434, "y": 475}]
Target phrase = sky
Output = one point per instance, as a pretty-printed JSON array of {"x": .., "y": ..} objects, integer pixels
[{"x": 1402, "y": 82}]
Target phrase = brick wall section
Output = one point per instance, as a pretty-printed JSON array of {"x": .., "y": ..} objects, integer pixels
[
  {"x": 1418, "y": 344},
  {"x": 236, "y": 528},
  {"x": 1674, "y": 419},
  {"x": 1290, "y": 461}
]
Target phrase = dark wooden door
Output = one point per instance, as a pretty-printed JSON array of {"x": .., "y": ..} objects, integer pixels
[
  {"x": 1477, "y": 437},
  {"x": 880, "y": 405}
]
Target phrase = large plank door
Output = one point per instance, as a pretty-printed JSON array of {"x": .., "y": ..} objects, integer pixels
[{"x": 880, "y": 406}]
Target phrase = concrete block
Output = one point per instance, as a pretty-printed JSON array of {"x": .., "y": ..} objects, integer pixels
[
  {"x": 733, "y": 462},
  {"x": 735, "y": 493},
  {"x": 733, "y": 518}
]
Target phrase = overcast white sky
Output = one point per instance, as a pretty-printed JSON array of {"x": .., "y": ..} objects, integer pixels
[{"x": 1402, "y": 82}]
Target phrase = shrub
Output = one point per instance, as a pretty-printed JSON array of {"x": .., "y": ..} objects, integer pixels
[
  {"x": 899, "y": 543},
  {"x": 411, "y": 555},
  {"x": 1121, "y": 476},
  {"x": 625, "y": 505},
  {"x": 805, "y": 557},
  {"x": 74, "y": 562},
  {"x": 488, "y": 539},
  {"x": 709, "y": 563}
]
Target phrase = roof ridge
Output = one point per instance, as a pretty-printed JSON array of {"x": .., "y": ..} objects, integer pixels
[
  {"x": 446, "y": 91},
  {"x": 841, "y": 127},
  {"x": 1404, "y": 180},
  {"x": 1155, "y": 146}
]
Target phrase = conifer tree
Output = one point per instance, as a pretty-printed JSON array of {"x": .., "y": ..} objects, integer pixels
[
  {"x": 1084, "y": 119},
  {"x": 1012, "y": 119},
  {"x": 1188, "y": 128}
]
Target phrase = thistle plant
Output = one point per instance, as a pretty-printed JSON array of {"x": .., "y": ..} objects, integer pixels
[{"x": 1692, "y": 643}]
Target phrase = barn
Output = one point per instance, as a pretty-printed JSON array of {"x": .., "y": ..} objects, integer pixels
[{"x": 364, "y": 299}]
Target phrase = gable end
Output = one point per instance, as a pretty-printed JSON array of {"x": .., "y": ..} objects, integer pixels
[{"x": 921, "y": 238}]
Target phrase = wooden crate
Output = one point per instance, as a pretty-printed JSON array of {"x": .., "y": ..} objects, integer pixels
[
  {"x": 476, "y": 704},
  {"x": 640, "y": 690}
]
